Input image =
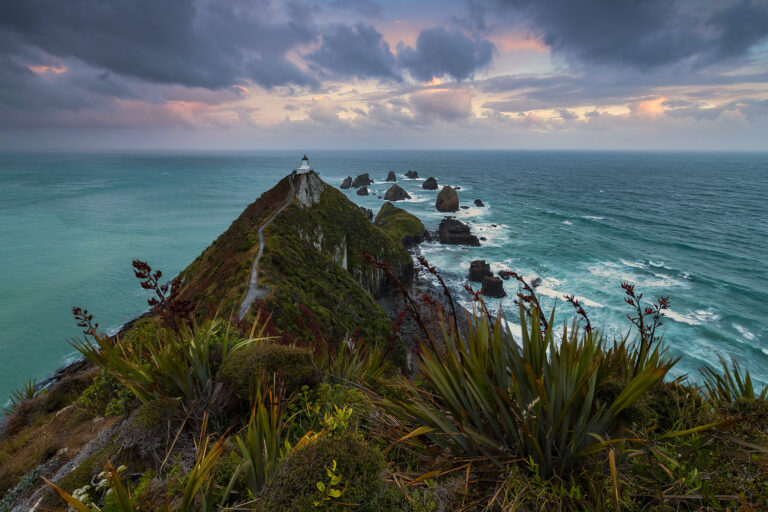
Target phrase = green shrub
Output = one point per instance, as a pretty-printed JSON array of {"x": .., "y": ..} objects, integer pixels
[
  {"x": 257, "y": 363},
  {"x": 294, "y": 486},
  {"x": 105, "y": 397}
]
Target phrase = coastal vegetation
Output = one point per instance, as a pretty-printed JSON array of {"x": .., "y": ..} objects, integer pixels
[{"x": 316, "y": 401}]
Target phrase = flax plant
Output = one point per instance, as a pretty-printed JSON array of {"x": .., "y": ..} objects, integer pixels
[{"x": 489, "y": 397}]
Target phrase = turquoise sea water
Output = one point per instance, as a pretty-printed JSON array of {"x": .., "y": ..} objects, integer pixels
[{"x": 692, "y": 226}]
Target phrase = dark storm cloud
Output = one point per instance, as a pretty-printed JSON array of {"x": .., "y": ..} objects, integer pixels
[
  {"x": 640, "y": 34},
  {"x": 212, "y": 44},
  {"x": 356, "y": 51},
  {"x": 441, "y": 52}
]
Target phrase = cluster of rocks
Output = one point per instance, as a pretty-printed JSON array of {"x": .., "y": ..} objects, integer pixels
[{"x": 451, "y": 231}]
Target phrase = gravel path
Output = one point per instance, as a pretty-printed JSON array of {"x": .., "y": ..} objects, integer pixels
[{"x": 254, "y": 292}]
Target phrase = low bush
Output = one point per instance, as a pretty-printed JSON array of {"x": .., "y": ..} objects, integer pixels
[
  {"x": 330, "y": 473},
  {"x": 246, "y": 369}
]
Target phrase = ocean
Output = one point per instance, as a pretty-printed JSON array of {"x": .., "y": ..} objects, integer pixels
[{"x": 693, "y": 226}]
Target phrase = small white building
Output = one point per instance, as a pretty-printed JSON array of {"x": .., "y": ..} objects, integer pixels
[{"x": 304, "y": 165}]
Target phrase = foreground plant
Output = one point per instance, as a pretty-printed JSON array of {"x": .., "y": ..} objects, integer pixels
[
  {"x": 732, "y": 385},
  {"x": 490, "y": 397},
  {"x": 170, "y": 365}
]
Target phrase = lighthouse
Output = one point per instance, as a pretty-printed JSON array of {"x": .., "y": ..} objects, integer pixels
[{"x": 304, "y": 167}]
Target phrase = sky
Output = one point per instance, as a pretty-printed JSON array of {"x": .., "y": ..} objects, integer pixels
[{"x": 358, "y": 74}]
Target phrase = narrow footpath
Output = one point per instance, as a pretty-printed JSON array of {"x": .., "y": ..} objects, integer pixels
[{"x": 254, "y": 292}]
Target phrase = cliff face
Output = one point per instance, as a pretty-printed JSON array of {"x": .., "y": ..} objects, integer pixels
[{"x": 310, "y": 258}]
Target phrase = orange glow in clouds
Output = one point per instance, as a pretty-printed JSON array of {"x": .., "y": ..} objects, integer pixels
[
  {"x": 649, "y": 108},
  {"x": 44, "y": 69}
]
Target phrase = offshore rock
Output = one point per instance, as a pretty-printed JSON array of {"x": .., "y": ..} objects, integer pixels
[
  {"x": 447, "y": 200},
  {"x": 479, "y": 203},
  {"x": 362, "y": 181},
  {"x": 391, "y": 176},
  {"x": 479, "y": 269},
  {"x": 429, "y": 184},
  {"x": 362, "y": 191},
  {"x": 346, "y": 183},
  {"x": 493, "y": 287},
  {"x": 411, "y": 174},
  {"x": 396, "y": 193},
  {"x": 454, "y": 232}
]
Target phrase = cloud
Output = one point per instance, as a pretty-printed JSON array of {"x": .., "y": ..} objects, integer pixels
[
  {"x": 357, "y": 51},
  {"x": 440, "y": 52},
  {"x": 638, "y": 34},
  {"x": 443, "y": 104},
  {"x": 195, "y": 43}
]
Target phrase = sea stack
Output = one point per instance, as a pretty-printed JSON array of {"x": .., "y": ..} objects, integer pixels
[
  {"x": 479, "y": 269},
  {"x": 347, "y": 182},
  {"x": 362, "y": 181},
  {"x": 411, "y": 174},
  {"x": 362, "y": 191},
  {"x": 429, "y": 184},
  {"x": 479, "y": 203},
  {"x": 493, "y": 287},
  {"x": 447, "y": 200},
  {"x": 454, "y": 232},
  {"x": 391, "y": 176},
  {"x": 396, "y": 193}
]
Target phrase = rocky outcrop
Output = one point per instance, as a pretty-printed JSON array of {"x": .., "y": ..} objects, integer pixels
[
  {"x": 479, "y": 269},
  {"x": 479, "y": 203},
  {"x": 347, "y": 183},
  {"x": 401, "y": 225},
  {"x": 504, "y": 274},
  {"x": 493, "y": 287},
  {"x": 362, "y": 191},
  {"x": 536, "y": 282},
  {"x": 447, "y": 200},
  {"x": 362, "y": 181},
  {"x": 391, "y": 176},
  {"x": 411, "y": 174},
  {"x": 454, "y": 232},
  {"x": 429, "y": 184},
  {"x": 396, "y": 193}
]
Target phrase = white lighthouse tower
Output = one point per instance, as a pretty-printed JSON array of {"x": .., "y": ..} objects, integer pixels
[{"x": 304, "y": 167}]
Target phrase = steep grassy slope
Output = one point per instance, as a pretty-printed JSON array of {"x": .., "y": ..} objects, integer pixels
[{"x": 310, "y": 259}]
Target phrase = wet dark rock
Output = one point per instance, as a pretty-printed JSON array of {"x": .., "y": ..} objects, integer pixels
[
  {"x": 494, "y": 225},
  {"x": 478, "y": 202},
  {"x": 536, "y": 282},
  {"x": 483, "y": 239},
  {"x": 391, "y": 176},
  {"x": 479, "y": 269},
  {"x": 429, "y": 184},
  {"x": 362, "y": 191},
  {"x": 447, "y": 200},
  {"x": 411, "y": 174},
  {"x": 504, "y": 274},
  {"x": 465, "y": 207},
  {"x": 347, "y": 182},
  {"x": 457, "y": 188},
  {"x": 454, "y": 232},
  {"x": 396, "y": 193},
  {"x": 362, "y": 181},
  {"x": 493, "y": 287}
]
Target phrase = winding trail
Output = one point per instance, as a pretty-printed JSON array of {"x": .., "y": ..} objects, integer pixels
[{"x": 254, "y": 292}]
